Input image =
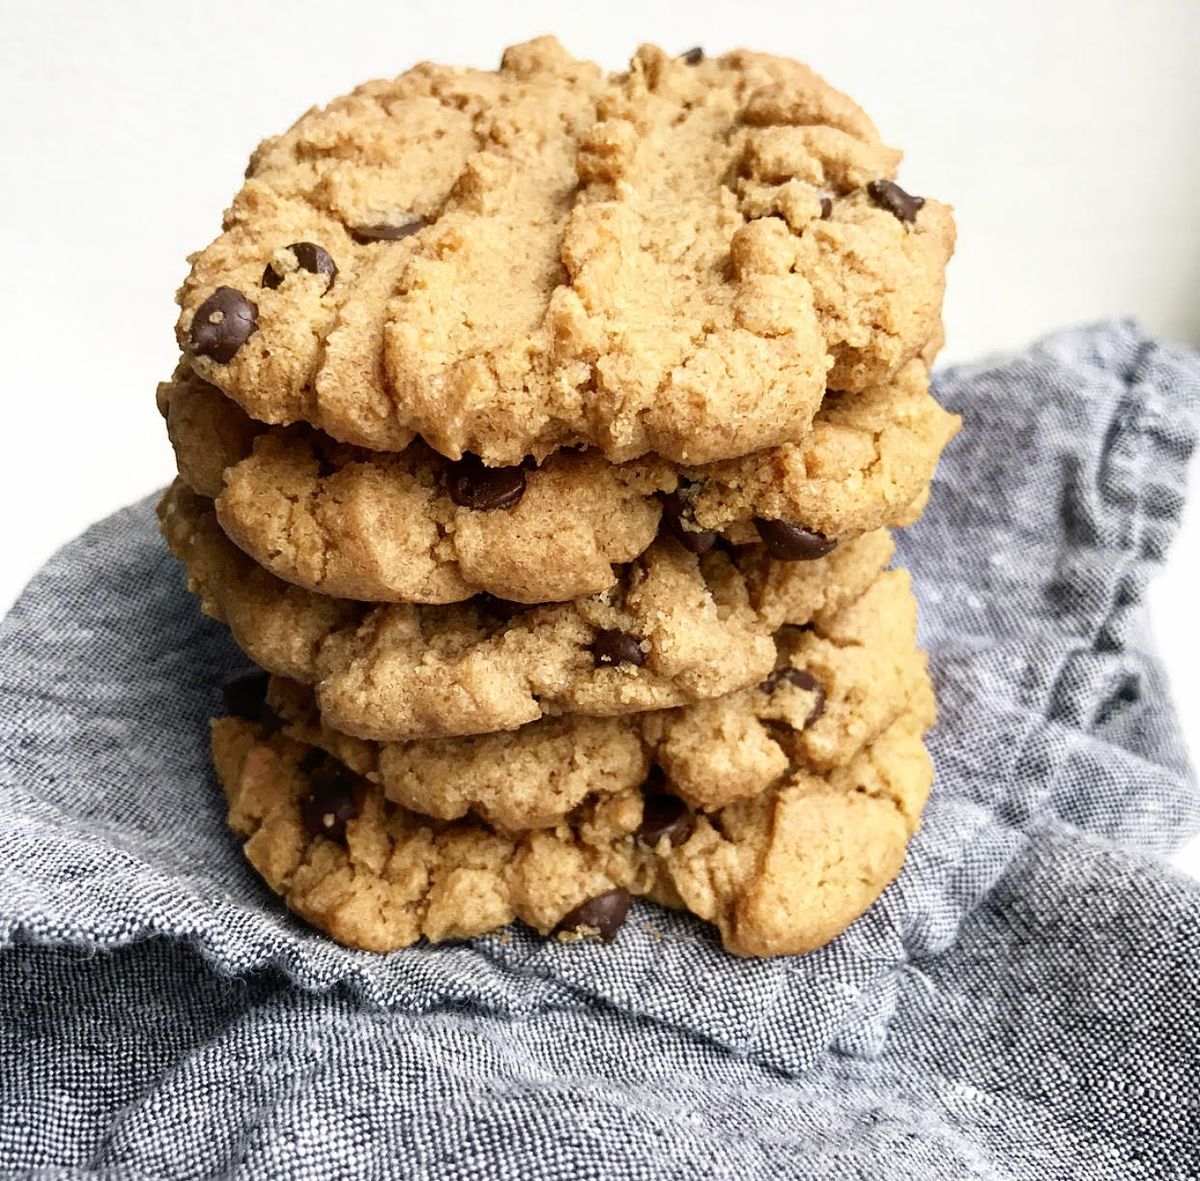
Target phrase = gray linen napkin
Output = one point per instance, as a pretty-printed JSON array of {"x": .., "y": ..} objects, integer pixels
[{"x": 1022, "y": 1003}]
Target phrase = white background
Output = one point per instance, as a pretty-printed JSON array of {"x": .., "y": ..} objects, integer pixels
[{"x": 1065, "y": 132}]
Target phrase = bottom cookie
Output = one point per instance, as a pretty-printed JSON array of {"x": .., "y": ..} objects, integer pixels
[{"x": 780, "y": 873}]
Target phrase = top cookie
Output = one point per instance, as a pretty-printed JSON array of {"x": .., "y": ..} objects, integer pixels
[{"x": 678, "y": 259}]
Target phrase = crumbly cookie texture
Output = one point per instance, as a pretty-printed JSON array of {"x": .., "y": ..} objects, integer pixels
[
  {"x": 781, "y": 873},
  {"x": 675, "y": 259},
  {"x": 513, "y": 780},
  {"x": 208, "y": 432},
  {"x": 836, "y": 687},
  {"x": 676, "y": 628},
  {"x": 805, "y": 592},
  {"x": 838, "y": 683},
  {"x": 785, "y": 872},
  {"x": 414, "y": 527},
  {"x": 867, "y": 463}
]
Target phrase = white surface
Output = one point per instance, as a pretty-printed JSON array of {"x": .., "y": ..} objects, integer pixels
[{"x": 1067, "y": 134}]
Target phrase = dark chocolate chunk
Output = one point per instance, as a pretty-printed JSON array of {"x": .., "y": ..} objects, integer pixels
[
  {"x": 664, "y": 815},
  {"x": 336, "y": 798},
  {"x": 696, "y": 541},
  {"x": 826, "y": 208},
  {"x": 387, "y": 233},
  {"x": 802, "y": 679},
  {"x": 222, "y": 324},
  {"x": 891, "y": 197},
  {"x": 604, "y": 915},
  {"x": 793, "y": 543},
  {"x": 679, "y": 517},
  {"x": 309, "y": 257},
  {"x": 612, "y": 647},
  {"x": 245, "y": 696},
  {"x": 473, "y": 485},
  {"x": 693, "y": 57}
]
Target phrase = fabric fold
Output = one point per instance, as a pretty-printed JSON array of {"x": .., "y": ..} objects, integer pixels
[{"x": 1049, "y": 517}]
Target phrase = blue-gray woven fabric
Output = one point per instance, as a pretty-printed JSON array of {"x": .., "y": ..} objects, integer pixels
[{"x": 1023, "y": 1003}]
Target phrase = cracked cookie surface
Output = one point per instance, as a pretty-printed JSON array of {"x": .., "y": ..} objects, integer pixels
[
  {"x": 836, "y": 687},
  {"x": 411, "y": 527},
  {"x": 373, "y": 526},
  {"x": 781, "y": 873},
  {"x": 676, "y": 628},
  {"x": 676, "y": 259}
]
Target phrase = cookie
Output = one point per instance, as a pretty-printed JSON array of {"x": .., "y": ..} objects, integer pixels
[
  {"x": 676, "y": 259},
  {"x": 380, "y": 527},
  {"x": 513, "y": 780},
  {"x": 411, "y": 527},
  {"x": 676, "y": 628},
  {"x": 781, "y": 873},
  {"x": 837, "y": 684},
  {"x": 835, "y": 688},
  {"x": 785, "y": 872},
  {"x": 866, "y": 463},
  {"x": 804, "y": 592}
]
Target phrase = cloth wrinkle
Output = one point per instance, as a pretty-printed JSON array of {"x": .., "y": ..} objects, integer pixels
[{"x": 1021, "y": 1003}]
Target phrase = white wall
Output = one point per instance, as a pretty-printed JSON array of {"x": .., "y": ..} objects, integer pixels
[{"x": 1066, "y": 132}]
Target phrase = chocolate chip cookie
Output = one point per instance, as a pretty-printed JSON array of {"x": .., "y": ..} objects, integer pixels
[
  {"x": 678, "y": 259},
  {"x": 779, "y": 873},
  {"x": 677, "y": 627},
  {"x": 415, "y": 527},
  {"x": 411, "y": 527},
  {"x": 836, "y": 686}
]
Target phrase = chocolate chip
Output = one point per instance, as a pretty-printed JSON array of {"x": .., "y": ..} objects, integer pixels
[
  {"x": 309, "y": 257},
  {"x": 891, "y": 197},
  {"x": 679, "y": 516},
  {"x": 696, "y": 541},
  {"x": 793, "y": 543},
  {"x": 336, "y": 798},
  {"x": 222, "y": 324},
  {"x": 473, "y": 485},
  {"x": 693, "y": 57},
  {"x": 826, "y": 208},
  {"x": 603, "y": 915},
  {"x": 245, "y": 696},
  {"x": 802, "y": 679},
  {"x": 664, "y": 815},
  {"x": 387, "y": 233},
  {"x": 612, "y": 647}
]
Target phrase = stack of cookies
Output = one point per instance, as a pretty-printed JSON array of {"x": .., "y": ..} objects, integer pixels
[{"x": 538, "y": 435}]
